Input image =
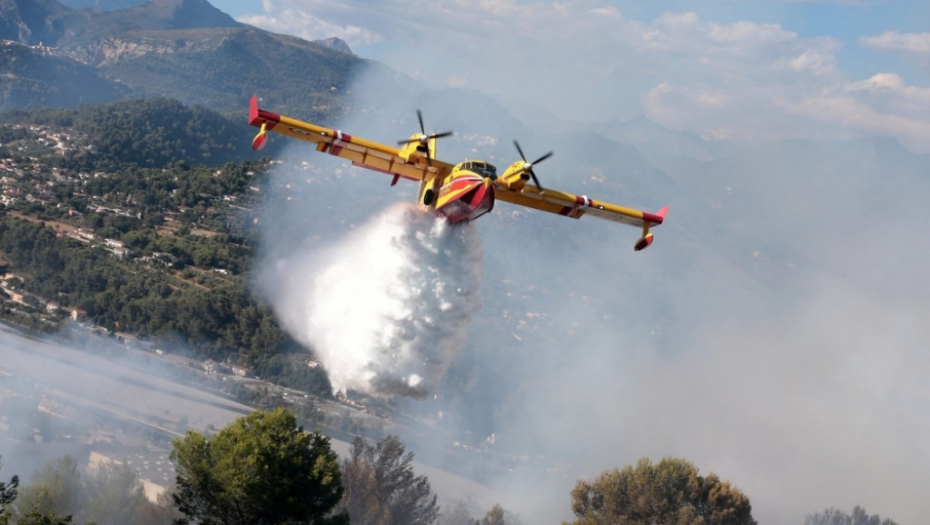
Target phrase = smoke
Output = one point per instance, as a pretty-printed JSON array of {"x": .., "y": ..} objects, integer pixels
[{"x": 386, "y": 307}]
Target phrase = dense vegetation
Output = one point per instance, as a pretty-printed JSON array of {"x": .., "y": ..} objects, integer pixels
[
  {"x": 149, "y": 133},
  {"x": 382, "y": 488},
  {"x": 668, "y": 492},
  {"x": 262, "y": 469},
  {"x": 188, "y": 228},
  {"x": 858, "y": 516},
  {"x": 59, "y": 494}
]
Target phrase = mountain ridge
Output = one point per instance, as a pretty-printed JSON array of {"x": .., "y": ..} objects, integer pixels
[{"x": 183, "y": 49}]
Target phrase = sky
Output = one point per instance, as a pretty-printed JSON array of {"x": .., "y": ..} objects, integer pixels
[{"x": 742, "y": 70}]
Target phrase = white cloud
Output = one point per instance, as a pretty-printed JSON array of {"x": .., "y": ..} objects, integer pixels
[
  {"x": 743, "y": 80},
  {"x": 895, "y": 41},
  {"x": 882, "y": 104},
  {"x": 292, "y": 20}
]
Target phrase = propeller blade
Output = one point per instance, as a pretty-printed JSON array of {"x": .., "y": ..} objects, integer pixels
[
  {"x": 536, "y": 181},
  {"x": 520, "y": 151},
  {"x": 540, "y": 159},
  {"x": 424, "y": 138},
  {"x": 528, "y": 166}
]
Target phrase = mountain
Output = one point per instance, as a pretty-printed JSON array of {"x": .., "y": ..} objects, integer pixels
[
  {"x": 182, "y": 49},
  {"x": 53, "y": 24},
  {"x": 103, "y": 5},
  {"x": 658, "y": 142},
  {"x": 336, "y": 44},
  {"x": 38, "y": 78},
  {"x": 222, "y": 67},
  {"x": 156, "y": 15},
  {"x": 35, "y": 21}
]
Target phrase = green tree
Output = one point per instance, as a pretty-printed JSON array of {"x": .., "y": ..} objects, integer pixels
[
  {"x": 495, "y": 516},
  {"x": 457, "y": 515},
  {"x": 670, "y": 492},
  {"x": 115, "y": 496},
  {"x": 7, "y": 495},
  {"x": 56, "y": 489},
  {"x": 262, "y": 469},
  {"x": 381, "y": 488},
  {"x": 460, "y": 515},
  {"x": 38, "y": 518},
  {"x": 837, "y": 517},
  {"x": 162, "y": 512}
]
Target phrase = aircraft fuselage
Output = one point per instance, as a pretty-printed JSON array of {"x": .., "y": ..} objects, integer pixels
[{"x": 468, "y": 193}]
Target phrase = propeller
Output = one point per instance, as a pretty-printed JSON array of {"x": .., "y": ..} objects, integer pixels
[
  {"x": 424, "y": 138},
  {"x": 528, "y": 166}
]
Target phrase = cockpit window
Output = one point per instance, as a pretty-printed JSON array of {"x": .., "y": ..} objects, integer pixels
[{"x": 481, "y": 168}]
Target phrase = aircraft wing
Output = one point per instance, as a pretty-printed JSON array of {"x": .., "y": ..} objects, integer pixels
[
  {"x": 576, "y": 206},
  {"x": 361, "y": 152}
]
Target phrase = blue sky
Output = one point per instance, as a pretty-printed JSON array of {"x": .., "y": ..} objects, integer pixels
[{"x": 746, "y": 70}]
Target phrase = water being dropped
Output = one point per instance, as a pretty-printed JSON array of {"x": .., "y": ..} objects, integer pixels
[{"x": 386, "y": 308}]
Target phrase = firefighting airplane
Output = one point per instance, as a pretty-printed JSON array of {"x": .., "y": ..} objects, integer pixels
[{"x": 460, "y": 192}]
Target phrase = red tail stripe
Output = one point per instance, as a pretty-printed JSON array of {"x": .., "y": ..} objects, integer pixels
[
  {"x": 257, "y": 117},
  {"x": 656, "y": 218}
]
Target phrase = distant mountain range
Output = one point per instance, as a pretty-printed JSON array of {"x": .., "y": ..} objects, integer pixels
[
  {"x": 182, "y": 49},
  {"x": 103, "y": 5}
]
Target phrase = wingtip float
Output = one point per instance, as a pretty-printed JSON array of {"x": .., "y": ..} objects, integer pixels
[{"x": 459, "y": 192}]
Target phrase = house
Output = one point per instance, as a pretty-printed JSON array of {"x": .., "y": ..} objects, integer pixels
[
  {"x": 120, "y": 251},
  {"x": 241, "y": 371},
  {"x": 212, "y": 367}
]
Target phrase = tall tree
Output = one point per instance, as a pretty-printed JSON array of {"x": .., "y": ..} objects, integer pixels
[
  {"x": 262, "y": 469},
  {"x": 56, "y": 489},
  {"x": 38, "y": 518},
  {"x": 837, "y": 517},
  {"x": 115, "y": 496},
  {"x": 457, "y": 515},
  {"x": 495, "y": 516},
  {"x": 381, "y": 488},
  {"x": 7, "y": 495},
  {"x": 670, "y": 492}
]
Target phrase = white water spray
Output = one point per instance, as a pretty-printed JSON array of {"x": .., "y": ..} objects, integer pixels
[{"x": 386, "y": 308}]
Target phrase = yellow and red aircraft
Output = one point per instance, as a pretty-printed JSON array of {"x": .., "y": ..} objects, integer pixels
[{"x": 460, "y": 192}]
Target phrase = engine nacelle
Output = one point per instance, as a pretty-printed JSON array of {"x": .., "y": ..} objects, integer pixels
[
  {"x": 419, "y": 147},
  {"x": 515, "y": 176}
]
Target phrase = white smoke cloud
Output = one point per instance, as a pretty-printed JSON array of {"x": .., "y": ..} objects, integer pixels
[{"x": 385, "y": 308}]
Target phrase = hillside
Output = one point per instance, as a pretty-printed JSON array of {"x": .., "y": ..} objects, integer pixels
[
  {"x": 148, "y": 133},
  {"x": 36, "y": 21},
  {"x": 182, "y": 49},
  {"x": 103, "y": 5},
  {"x": 222, "y": 67},
  {"x": 37, "y": 78},
  {"x": 157, "y": 15}
]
